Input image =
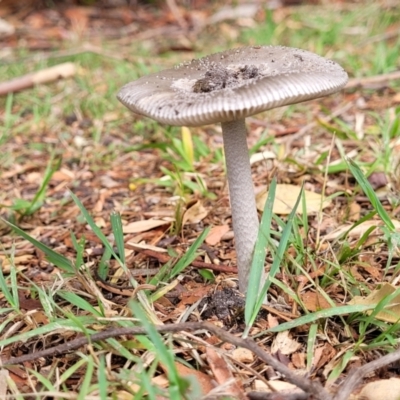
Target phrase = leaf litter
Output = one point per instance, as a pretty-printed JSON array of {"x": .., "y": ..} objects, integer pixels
[{"x": 106, "y": 177}]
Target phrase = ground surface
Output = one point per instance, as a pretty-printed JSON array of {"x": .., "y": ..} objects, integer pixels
[{"x": 168, "y": 185}]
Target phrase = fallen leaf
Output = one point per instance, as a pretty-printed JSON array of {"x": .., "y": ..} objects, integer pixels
[
  {"x": 354, "y": 212},
  {"x": 396, "y": 98},
  {"x": 243, "y": 355},
  {"x": 377, "y": 180},
  {"x": 216, "y": 233},
  {"x": 392, "y": 310},
  {"x": 194, "y": 214},
  {"x": 145, "y": 246},
  {"x": 194, "y": 294},
  {"x": 322, "y": 356},
  {"x": 375, "y": 272},
  {"x": 223, "y": 374},
  {"x": 144, "y": 225},
  {"x": 359, "y": 230},
  {"x": 63, "y": 174},
  {"x": 78, "y": 17},
  {"x": 272, "y": 321},
  {"x": 284, "y": 343},
  {"x": 286, "y": 197},
  {"x": 314, "y": 301},
  {"x": 20, "y": 262},
  {"x": 204, "y": 380},
  {"x": 385, "y": 389},
  {"x": 299, "y": 360},
  {"x": 264, "y": 155},
  {"x": 276, "y": 386}
]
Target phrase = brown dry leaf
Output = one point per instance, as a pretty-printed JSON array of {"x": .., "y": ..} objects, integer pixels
[
  {"x": 40, "y": 318},
  {"x": 359, "y": 230},
  {"x": 194, "y": 294},
  {"x": 222, "y": 374},
  {"x": 159, "y": 381},
  {"x": 354, "y": 212},
  {"x": 284, "y": 343},
  {"x": 63, "y": 174},
  {"x": 78, "y": 17},
  {"x": 20, "y": 262},
  {"x": 322, "y": 356},
  {"x": 194, "y": 214},
  {"x": 396, "y": 98},
  {"x": 145, "y": 246},
  {"x": 285, "y": 388},
  {"x": 144, "y": 225},
  {"x": 392, "y": 310},
  {"x": 272, "y": 321},
  {"x": 375, "y": 272},
  {"x": 286, "y": 197},
  {"x": 204, "y": 380},
  {"x": 216, "y": 233},
  {"x": 385, "y": 389},
  {"x": 314, "y": 301},
  {"x": 243, "y": 355},
  {"x": 299, "y": 360}
]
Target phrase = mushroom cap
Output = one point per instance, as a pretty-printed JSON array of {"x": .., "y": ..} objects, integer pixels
[{"x": 232, "y": 85}]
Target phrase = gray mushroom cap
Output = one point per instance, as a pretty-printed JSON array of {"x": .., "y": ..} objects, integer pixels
[{"x": 232, "y": 85}]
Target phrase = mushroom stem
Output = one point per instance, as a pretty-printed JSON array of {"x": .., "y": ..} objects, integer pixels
[{"x": 241, "y": 192}]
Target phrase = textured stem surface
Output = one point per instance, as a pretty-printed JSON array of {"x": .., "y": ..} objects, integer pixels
[{"x": 241, "y": 192}]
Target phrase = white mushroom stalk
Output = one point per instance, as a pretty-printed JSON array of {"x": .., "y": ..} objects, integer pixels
[
  {"x": 226, "y": 88},
  {"x": 241, "y": 193}
]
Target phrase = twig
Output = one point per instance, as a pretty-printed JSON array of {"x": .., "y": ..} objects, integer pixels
[
  {"x": 357, "y": 374},
  {"x": 176, "y": 12},
  {"x": 277, "y": 396},
  {"x": 373, "y": 80},
  {"x": 380, "y": 37},
  {"x": 312, "y": 388},
  {"x": 47, "y": 75}
]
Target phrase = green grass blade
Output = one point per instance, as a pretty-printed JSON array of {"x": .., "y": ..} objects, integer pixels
[
  {"x": 55, "y": 258},
  {"x": 43, "y": 380},
  {"x": 97, "y": 231},
  {"x": 260, "y": 250},
  {"x": 189, "y": 256},
  {"x": 312, "y": 336},
  {"x": 84, "y": 388},
  {"x": 79, "y": 302},
  {"x": 116, "y": 225},
  {"x": 12, "y": 300},
  {"x": 176, "y": 383},
  {"x": 102, "y": 378},
  {"x": 278, "y": 257},
  {"x": 37, "y": 201},
  {"x": 79, "y": 247},
  {"x": 370, "y": 193},
  {"x": 327, "y": 313},
  {"x": 52, "y": 326}
]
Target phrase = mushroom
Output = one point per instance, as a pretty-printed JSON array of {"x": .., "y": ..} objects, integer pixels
[{"x": 227, "y": 87}]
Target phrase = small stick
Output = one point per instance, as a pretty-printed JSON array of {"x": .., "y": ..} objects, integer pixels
[
  {"x": 47, "y": 75},
  {"x": 176, "y": 12},
  {"x": 372, "y": 80},
  {"x": 357, "y": 374}
]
